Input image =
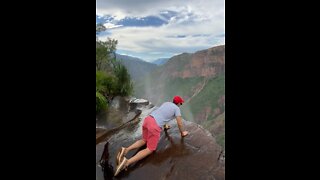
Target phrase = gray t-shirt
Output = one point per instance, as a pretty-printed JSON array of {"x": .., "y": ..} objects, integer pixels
[{"x": 166, "y": 112}]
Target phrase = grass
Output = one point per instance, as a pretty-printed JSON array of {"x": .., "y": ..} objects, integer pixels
[
  {"x": 221, "y": 140},
  {"x": 209, "y": 96}
]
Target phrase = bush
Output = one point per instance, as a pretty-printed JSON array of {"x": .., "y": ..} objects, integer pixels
[
  {"x": 105, "y": 84},
  {"x": 124, "y": 85},
  {"x": 101, "y": 102}
]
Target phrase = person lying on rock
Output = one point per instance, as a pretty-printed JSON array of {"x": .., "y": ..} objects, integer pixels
[{"x": 151, "y": 130}]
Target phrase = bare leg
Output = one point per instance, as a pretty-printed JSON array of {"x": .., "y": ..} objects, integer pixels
[
  {"x": 140, "y": 155},
  {"x": 135, "y": 145}
]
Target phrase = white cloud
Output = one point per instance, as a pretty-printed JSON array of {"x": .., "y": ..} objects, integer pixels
[
  {"x": 142, "y": 8},
  {"x": 194, "y": 17},
  {"x": 111, "y": 25}
]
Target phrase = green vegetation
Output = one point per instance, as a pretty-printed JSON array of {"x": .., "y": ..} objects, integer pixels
[
  {"x": 183, "y": 87},
  {"x": 221, "y": 139},
  {"x": 208, "y": 97},
  {"x": 124, "y": 85},
  {"x": 217, "y": 128},
  {"x": 166, "y": 89},
  {"x": 112, "y": 78},
  {"x": 101, "y": 102},
  {"x": 106, "y": 84},
  {"x": 135, "y": 66},
  {"x": 181, "y": 61}
]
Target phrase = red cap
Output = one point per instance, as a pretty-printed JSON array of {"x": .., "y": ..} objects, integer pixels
[{"x": 177, "y": 100}]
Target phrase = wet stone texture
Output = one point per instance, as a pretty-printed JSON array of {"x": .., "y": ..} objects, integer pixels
[
  {"x": 118, "y": 115},
  {"x": 196, "y": 156}
]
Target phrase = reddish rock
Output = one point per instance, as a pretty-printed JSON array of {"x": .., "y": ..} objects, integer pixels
[{"x": 206, "y": 63}]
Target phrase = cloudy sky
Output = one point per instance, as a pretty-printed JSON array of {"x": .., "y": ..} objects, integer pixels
[{"x": 152, "y": 29}]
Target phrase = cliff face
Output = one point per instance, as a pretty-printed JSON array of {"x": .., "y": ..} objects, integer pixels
[
  {"x": 196, "y": 156},
  {"x": 200, "y": 79},
  {"x": 206, "y": 63}
]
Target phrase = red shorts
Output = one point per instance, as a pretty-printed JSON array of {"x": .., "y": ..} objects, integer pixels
[{"x": 151, "y": 132}]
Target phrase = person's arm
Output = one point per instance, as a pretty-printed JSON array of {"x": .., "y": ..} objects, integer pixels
[{"x": 179, "y": 122}]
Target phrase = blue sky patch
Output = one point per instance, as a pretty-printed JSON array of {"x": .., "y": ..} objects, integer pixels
[{"x": 145, "y": 21}]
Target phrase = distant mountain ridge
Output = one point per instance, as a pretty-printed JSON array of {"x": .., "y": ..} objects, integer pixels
[
  {"x": 204, "y": 63},
  {"x": 160, "y": 61},
  {"x": 137, "y": 68}
]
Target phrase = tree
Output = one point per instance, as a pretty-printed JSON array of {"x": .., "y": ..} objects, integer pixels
[
  {"x": 106, "y": 84},
  {"x": 124, "y": 84},
  {"x": 99, "y": 28},
  {"x": 101, "y": 102},
  {"x": 104, "y": 53},
  {"x": 112, "y": 78},
  {"x": 104, "y": 50}
]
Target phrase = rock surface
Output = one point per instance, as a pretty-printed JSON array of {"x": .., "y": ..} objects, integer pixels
[{"x": 196, "y": 156}]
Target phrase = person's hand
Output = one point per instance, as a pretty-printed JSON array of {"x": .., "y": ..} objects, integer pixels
[{"x": 184, "y": 133}]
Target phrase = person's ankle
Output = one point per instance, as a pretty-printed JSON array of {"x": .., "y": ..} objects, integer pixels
[{"x": 127, "y": 163}]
